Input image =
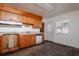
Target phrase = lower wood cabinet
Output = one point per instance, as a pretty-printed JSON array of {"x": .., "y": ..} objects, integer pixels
[
  {"x": 33, "y": 40},
  {"x": 42, "y": 37},
  {"x": 8, "y": 43},
  {"x": 27, "y": 40},
  {"x": 11, "y": 42},
  {"x": 1, "y": 37},
  {"x": 22, "y": 41}
]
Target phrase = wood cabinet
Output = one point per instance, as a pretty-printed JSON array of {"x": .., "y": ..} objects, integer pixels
[
  {"x": 32, "y": 39},
  {"x": 37, "y": 23},
  {"x": 27, "y": 40},
  {"x": 9, "y": 43},
  {"x": 4, "y": 15},
  {"x": 27, "y": 20},
  {"x": 42, "y": 36},
  {"x": 10, "y": 9},
  {"x": 5, "y": 44},
  {"x": 22, "y": 41},
  {"x": 1, "y": 38},
  {"x": 42, "y": 29},
  {"x": 10, "y": 13}
]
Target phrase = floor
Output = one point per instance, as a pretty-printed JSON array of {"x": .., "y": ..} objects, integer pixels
[{"x": 46, "y": 49}]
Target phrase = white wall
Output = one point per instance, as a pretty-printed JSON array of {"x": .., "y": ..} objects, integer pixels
[
  {"x": 70, "y": 39},
  {"x": 48, "y": 34}
]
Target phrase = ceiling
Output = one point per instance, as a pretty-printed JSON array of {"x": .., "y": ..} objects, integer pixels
[{"x": 46, "y": 10}]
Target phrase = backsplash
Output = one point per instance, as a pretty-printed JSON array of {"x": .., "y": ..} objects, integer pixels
[{"x": 23, "y": 28}]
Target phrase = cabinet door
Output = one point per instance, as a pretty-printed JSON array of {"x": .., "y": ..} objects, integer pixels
[
  {"x": 10, "y": 16},
  {"x": 9, "y": 43},
  {"x": 33, "y": 40},
  {"x": 37, "y": 23},
  {"x": 27, "y": 20},
  {"x": 5, "y": 44},
  {"x": 28, "y": 41},
  {"x": 16, "y": 17},
  {"x": 5, "y": 15},
  {"x": 22, "y": 41}
]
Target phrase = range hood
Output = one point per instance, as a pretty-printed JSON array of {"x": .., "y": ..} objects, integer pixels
[{"x": 8, "y": 22}]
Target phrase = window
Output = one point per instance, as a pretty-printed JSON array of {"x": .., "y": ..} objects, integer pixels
[{"x": 62, "y": 26}]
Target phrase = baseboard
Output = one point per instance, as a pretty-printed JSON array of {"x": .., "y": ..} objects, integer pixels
[{"x": 61, "y": 44}]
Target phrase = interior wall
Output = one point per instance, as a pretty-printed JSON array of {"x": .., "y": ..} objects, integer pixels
[
  {"x": 70, "y": 39},
  {"x": 47, "y": 34}
]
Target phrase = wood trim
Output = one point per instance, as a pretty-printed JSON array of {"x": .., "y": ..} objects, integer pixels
[{"x": 61, "y": 44}]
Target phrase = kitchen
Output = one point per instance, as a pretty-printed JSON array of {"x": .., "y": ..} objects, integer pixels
[
  {"x": 39, "y": 29},
  {"x": 19, "y": 29}
]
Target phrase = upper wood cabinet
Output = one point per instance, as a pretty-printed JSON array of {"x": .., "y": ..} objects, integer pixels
[
  {"x": 37, "y": 23},
  {"x": 8, "y": 8},
  {"x": 10, "y": 13},
  {"x": 28, "y": 20},
  {"x": 4, "y": 15}
]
